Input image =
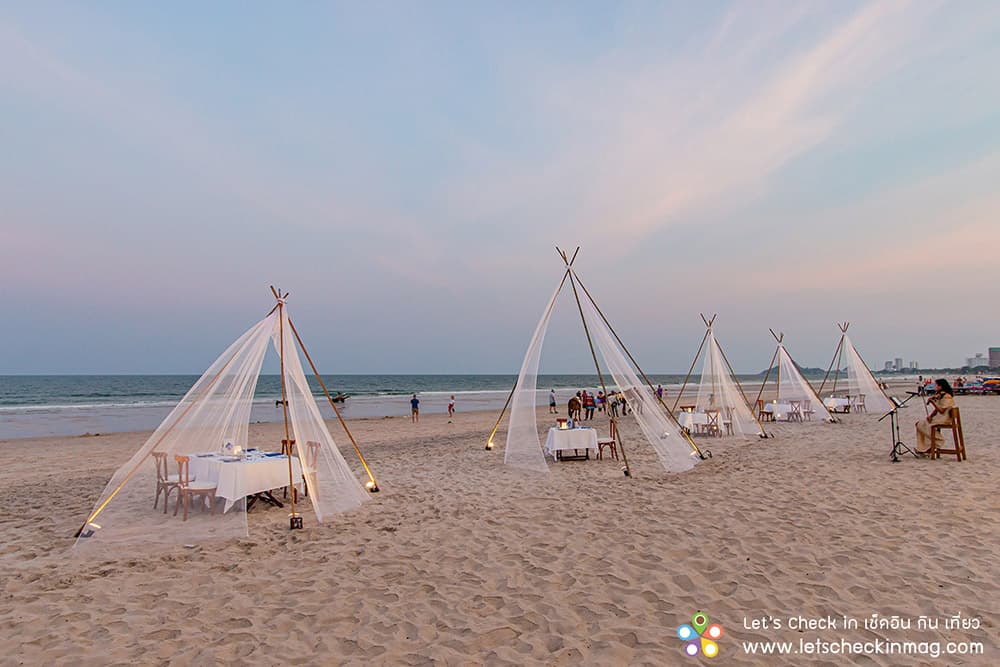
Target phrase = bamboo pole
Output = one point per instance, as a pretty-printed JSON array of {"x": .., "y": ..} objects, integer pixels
[
  {"x": 371, "y": 478},
  {"x": 597, "y": 365},
  {"x": 642, "y": 374},
  {"x": 284, "y": 400},
  {"x": 194, "y": 401},
  {"x": 691, "y": 369},
  {"x": 830, "y": 367},
  {"x": 767, "y": 375},
  {"x": 489, "y": 441}
]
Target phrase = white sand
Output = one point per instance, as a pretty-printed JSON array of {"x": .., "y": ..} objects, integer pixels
[{"x": 462, "y": 561}]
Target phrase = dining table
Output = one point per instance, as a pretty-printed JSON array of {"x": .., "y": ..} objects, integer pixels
[
  {"x": 252, "y": 475},
  {"x": 581, "y": 438}
]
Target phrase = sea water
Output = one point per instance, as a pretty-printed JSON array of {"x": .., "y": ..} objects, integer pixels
[{"x": 48, "y": 405}]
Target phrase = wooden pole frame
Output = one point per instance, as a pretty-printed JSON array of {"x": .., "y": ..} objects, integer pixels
[
  {"x": 100, "y": 508},
  {"x": 593, "y": 354},
  {"x": 779, "y": 338},
  {"x": 693, "y": 361},
  {"x": 295, "y": 521},
  {"x": 702, "y": 455},
  {"x": 838, "y": 356},
  {"x": 372, "y": 485}
]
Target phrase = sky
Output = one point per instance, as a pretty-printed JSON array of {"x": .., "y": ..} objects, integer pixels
[{"x": 405, "y": 170}]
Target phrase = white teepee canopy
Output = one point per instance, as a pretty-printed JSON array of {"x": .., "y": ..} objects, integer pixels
[
  {"x": 862, "y": 391},
  {"x": 795, "y": 399},
  {"x": 719, "y": 390},
  {"x": 214, "y": 417},
  {"x": 674, "y": 448}
]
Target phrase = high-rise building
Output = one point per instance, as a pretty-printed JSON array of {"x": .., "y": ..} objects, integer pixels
[
  {"x": 977, "y": 361},
  {"x": 995, "y": 357},
  {"x": 899, "y": 363},
  {"x": 889, "y": 366},
  {"x": 914, "y": 365}
]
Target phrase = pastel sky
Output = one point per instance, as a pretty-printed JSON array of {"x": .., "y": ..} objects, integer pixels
[{"x": 406, "y": 169}]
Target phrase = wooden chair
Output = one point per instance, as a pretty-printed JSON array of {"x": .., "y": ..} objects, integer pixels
[
  {"x": 762, "y": 414},
  {"x": 165, "y": 482},
  {"x": 727, "y": 423},
  {"x": 807, "y": 410},
  {"x": 712, "y": 424},
  {"x": 188, "y": 487},
  {"x": 958, "y": 436},
  {"x": 859, "y": 403},
  {"x": 795, "y": 414},
  {"x": 611, "y": 443}
]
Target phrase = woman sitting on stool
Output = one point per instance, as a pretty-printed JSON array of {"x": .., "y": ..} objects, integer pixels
[{"x": 943, "y": 401}]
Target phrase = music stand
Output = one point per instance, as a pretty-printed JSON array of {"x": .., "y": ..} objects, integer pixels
[{"x": 897, "y": 445}]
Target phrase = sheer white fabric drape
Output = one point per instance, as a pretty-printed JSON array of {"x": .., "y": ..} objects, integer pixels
[
  {"x": 718, "y": 391},
  {"x": 524, "y": 450},
  {"x": 673, "y": 450},
  {"x": 332, "y": 485},
  {"x": 793, "y": 387},
  {"x": 860, "y": 380},
  {"x": 214, "y": 412}
]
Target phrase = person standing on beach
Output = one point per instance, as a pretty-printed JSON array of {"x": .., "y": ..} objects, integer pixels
[
  {"x": 659, "y": 392},
  {"x": 451, "y": 408},
  {"x": 414, "y": 409},
  {"x": 552, "y": 402},
  {"x": 588, "y": 405}
]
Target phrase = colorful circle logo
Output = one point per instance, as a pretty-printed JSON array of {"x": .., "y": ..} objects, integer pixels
[{"x": 701, "y": 636}]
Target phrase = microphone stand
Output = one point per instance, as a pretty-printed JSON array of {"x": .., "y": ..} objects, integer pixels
[{"x": 897, "y": 444}]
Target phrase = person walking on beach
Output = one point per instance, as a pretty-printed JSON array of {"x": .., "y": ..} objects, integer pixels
[
  {"x": 414, "y": 409},
  {"x": 659, "y": 392},
  {"x": 451, "y": 408},
  {"x": 552, "y": 402}
]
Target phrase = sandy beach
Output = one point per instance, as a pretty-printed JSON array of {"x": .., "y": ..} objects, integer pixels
[{"x": 460, "y": 560}]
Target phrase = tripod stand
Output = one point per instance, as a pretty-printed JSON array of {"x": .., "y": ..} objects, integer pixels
[{"x": 897, "y": 445}]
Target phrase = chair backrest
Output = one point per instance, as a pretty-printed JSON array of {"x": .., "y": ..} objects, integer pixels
[
  {"x": 807, "y": 406},
  {"x": 713, "y": 417},
  {"x": 287, "y": 446},
  {"x": 312, "y": 454},
  {"x": 160, "y": 459},
  {"x": 183, "y": 469},
  {"x": 861, "y": 399},
  {"x": 614, "y": 430}
]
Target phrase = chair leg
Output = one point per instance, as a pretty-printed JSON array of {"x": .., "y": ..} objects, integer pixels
[
  {"x": 177, "y": 505},
  {"x": 156, "y": 499}
]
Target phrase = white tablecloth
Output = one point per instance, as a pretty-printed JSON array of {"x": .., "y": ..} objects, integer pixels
[
  {"x": 691, "y": 419},
  {"x": 237, "y": 479},
  {"x": 836, "y": 403},
  {"x": 779, "y": 410},
  {"x": 570, "y": 438}
]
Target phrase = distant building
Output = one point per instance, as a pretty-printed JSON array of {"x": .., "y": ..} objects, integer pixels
[
  {"x": 889, "y": 366},
  {"x": 978, "y": 360},
  {"x": 914, "y": 365},
  {"x": 995, "y": 357},
  {"x": 899, "y": 363}
]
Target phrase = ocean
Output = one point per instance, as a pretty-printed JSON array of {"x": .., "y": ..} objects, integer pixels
[{"x": 49, "y": 405}]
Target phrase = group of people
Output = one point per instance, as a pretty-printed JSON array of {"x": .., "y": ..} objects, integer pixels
[
  {"x": 415, "y": 408},
  {"x": 584, "y": 404}
]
